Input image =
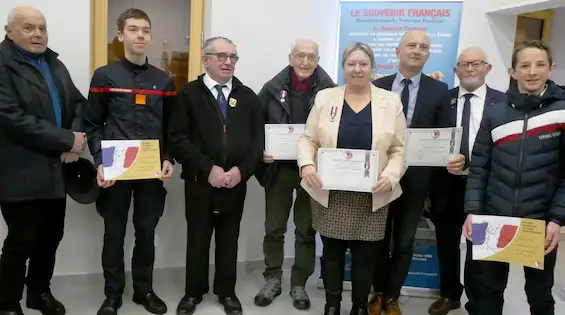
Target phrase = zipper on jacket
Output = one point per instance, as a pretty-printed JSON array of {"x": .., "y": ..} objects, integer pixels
[
  {"x": 225, "y": 144},
  {"x": 518, "y": 181}
]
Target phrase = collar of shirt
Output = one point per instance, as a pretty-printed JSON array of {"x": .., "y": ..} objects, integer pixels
[
  {"x": 415, "y": 79},
  {"x": 480, "y": 92},
  {"x": 211, "y": 83}
]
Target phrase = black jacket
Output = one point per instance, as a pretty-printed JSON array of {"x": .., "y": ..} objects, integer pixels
[
  {"x": 31, "y": 143},
  {"x": 445, "y": 186},
  {"x": 200, "y": 138},
  {"x": 518, "y": 163},
  {"x": 128, "y": 102},
  {"x": 431, "y": 102},
  {"x": 277, "y": 112}
]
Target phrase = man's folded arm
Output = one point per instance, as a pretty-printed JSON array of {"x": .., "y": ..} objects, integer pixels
[
  {"x": 30, "y": 130},
  {"x": 254, "y": 156}
]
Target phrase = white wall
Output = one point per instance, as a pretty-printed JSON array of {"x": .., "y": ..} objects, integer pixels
[
  {"x": 557, "y": 44},
  {"x": 263, "y": 34}
]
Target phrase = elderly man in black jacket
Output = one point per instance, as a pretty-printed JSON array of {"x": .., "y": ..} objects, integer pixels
[
  {"x": 39, "y": 131},
  {"x": 216, "y": 132},
  {"x": 518, "y": 170},
  {"x": 287, "y": 99}
]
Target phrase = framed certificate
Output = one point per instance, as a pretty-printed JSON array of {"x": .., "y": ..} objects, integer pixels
[
  {"x": 349, "y": 170},
  {"x": 281, "y": 140},
  {"x": 431, "y": 146}
]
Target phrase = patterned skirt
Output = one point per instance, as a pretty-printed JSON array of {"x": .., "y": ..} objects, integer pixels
[{"x": 349, "y": 217}]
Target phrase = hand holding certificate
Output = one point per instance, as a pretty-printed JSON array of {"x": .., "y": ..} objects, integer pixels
[
  {"x": 281, "y": 140},
  {"x": 431, "y": 147},
  {"x": 348, "y": 170}
]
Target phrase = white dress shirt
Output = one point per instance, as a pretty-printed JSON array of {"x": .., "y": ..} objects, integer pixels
[
  {"x": 211, "y": 83},
  {"x": 476, "y": 115}
]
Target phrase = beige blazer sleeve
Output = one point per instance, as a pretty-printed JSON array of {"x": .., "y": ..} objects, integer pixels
[
  {"x": 309, "y": 144},
  {"x": 395, "y": 169}
]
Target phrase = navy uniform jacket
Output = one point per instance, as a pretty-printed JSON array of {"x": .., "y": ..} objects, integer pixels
[{"x": 128, "y": 102}]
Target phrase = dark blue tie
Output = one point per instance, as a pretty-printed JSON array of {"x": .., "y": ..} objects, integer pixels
[
  {"x": 465, "y": 124},
  {"x": 221, "y": 99},
  {"x": 405, "y": 96}
]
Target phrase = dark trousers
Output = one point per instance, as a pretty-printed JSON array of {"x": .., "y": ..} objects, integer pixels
[
  {"x": 448, "y": 218},
  {"x": 539, "y": 284},
  {"x": 363, "y": 259},
  {"x": 203, "y": 220},
  {"x": 279, "y": 199},
  {"x": 148, "y": 206},
  {"x": 35, "y": 229},
  {"x": 404, "y": 216}
]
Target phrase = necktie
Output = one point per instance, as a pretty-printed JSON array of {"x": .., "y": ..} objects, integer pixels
[
  {"x": 405, "y": 96},
  {"x": 221, "y": 100},
  {"x": 465, "y": 124}
]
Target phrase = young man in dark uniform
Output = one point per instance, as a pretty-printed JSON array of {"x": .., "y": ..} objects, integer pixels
[
  {"x": 217, "y": 133},
  {"x": 130, "y": 100}
]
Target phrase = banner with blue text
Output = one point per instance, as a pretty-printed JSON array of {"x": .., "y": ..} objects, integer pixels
[{"x": 381, "y": 25}]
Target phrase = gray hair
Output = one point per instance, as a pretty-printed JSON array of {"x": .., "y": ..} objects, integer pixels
[
  {"x": 366, "y": 49},
  {"x": 207, "y": 47}
]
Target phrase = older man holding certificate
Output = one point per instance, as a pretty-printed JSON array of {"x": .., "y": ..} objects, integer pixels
[{"x": 350, "y": 160}]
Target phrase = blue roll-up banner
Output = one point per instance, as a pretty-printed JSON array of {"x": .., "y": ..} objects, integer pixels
[{"x": 381, "y": 24}]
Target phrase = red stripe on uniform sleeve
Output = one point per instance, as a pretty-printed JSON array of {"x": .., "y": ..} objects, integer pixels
[{"x": 132, "y": 91}]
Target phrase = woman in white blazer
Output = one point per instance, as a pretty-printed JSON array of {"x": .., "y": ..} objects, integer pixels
[{"x": 357, "y": 115}]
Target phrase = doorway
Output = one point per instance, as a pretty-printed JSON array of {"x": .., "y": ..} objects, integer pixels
[{"x": 177, "y": 29}]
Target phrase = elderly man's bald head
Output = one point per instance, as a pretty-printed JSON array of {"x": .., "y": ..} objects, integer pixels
[
  {"x": 475, "y": 53},
  {"x": 304, "y": 57},
  {"x": 27, "y": 28},
  {"x": 472, "y": 68}
]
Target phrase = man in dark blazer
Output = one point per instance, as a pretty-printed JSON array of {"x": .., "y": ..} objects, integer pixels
[
  {"x": 424, "y": 99},
  {"x": 216, "y": 132},
  {"x": 468, "y": 103},
  {"x": 40, "y": 130}
]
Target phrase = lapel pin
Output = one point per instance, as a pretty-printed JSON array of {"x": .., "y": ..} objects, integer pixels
[
  {"x": 233, "y": 102},
  {"x": 284, "y": 93},
  {"x": 333, "y": 113},
  {"x": 453, "y": 101}
]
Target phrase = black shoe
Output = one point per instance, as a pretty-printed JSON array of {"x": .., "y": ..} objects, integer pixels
[
  {"x": 14, "y": 311},
  {"x": 45, "y": 303},
  {"x": 187, "y": 305},
  {"x": 332, "y": 310},
  {"x": 356, "y": 310},
  {"x": 232, "y": 305},
  {"x": 110, "y": 307},
  {"x": 151, "y": 302}
]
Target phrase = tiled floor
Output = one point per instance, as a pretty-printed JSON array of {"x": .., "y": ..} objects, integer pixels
[{"x": 82, "y": 295}]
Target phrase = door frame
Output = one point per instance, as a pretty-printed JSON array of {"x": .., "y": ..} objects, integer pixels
[
  {"x": 99, "y": 36},
  {"x": 546, "y": 16}
]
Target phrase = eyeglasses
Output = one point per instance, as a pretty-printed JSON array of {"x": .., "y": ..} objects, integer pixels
[
  {"x": 309, "y": 57},
  {"x": 474, "y": 64},
  {"x": 223, "y": 57}
]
